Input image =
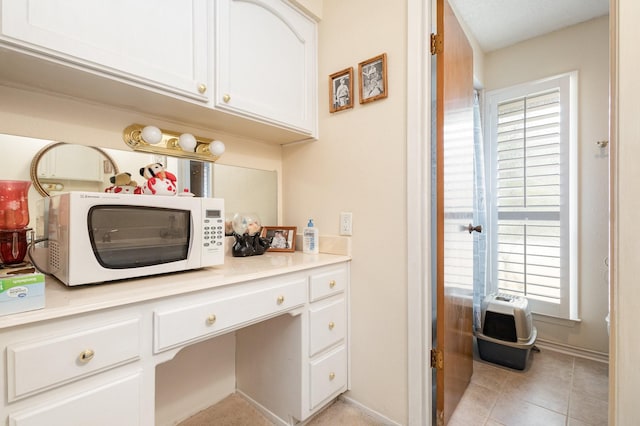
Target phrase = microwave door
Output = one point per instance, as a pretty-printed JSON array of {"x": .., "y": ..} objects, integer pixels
[{"x": 124, "y": 237}]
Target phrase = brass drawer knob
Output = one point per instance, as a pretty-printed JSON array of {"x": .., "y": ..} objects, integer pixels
[
  {"x": 211, "y": 319},
  {"x": 226, "y": 98},
  {"x": 280, "y": 300},
  {"x": 331, "y": 325},
  {"x": 332, "y": 283},
  {"x": 202, "y": 87},
  {"x": 332, "y": 375},
  {"x": 86, "y": 356}
]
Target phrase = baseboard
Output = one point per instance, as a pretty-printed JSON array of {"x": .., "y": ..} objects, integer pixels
[
  {"x": 572, "y": 350},
  {"x": 263, "y": 410},
  {"x": 371, "y": 413}
]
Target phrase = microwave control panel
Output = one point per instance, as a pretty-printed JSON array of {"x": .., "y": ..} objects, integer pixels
[{"x": 212, "y": 235}]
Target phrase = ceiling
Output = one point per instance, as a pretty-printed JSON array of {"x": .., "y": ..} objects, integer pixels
[{"x": 500, "y": 23}]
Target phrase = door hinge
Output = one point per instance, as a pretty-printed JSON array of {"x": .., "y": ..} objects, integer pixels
[
  {"x": 440, "y": 418},
  {"x": 437, "y": 359},
  {"x": 436, "y": 43}
]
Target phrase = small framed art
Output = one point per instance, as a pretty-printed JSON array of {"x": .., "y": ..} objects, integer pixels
[
  {"x": 373, "y": 78},
  {"x": 341, "y": 90},
  {"x": 282, "y": 238}
]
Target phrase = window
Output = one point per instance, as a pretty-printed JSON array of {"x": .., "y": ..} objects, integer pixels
[{"x": 532, "y": 193}]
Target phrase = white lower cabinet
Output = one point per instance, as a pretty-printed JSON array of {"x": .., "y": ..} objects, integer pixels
[
  {"x": 114, "y": 403},
  {"x": 99, "y": 367}
]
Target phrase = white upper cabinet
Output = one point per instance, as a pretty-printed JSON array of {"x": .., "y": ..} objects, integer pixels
[
  {"x": 265, "y": 63},
  {"x": 159, "y": 43}
]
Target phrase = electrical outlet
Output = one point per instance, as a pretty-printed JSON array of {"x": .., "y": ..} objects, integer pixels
[{"x": 346, "y": 223}]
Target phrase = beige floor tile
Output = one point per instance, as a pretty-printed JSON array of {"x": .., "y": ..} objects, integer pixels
[
  {"x": 474, "y": 407},
  {"x": 591, "y": 378},
  {"x": 551, "y": 389},
  {"x": 516, "y": 412},
  {"x": 592, "y": 411},
  {"x": 489, "y": 375},
  {"x": 547, "y": 392},
  {"x": 575, "y": 422}
]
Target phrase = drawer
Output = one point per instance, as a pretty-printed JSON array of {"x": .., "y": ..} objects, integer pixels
[
  {"x": 174, "y": 327},
  {"x": 33, "y": 367},
  {"x": 324, "y": 284},
  {"x": 328, "y": 376},
  {"x": 114, "y": 403},
  {"x": 327, "y": 326}
]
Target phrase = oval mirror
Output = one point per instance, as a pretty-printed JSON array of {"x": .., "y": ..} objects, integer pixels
[{"x": 60, "y": 167}]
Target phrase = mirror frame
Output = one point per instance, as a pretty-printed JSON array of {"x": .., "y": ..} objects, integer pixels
[{"x": 33, "y": 172}]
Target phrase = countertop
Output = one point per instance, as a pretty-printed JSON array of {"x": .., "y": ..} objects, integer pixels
[{"x": 62, "y": 301}]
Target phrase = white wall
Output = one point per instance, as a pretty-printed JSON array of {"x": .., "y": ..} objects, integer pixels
[
  {"x": 358, "y": 165},
  {"x": 625, "y": 345},
  {"x": 557, "y": 53}
]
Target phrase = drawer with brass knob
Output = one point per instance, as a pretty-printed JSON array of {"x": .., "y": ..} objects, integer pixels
[
  {"x": 55, "y": 360},
  {"x": 327, "y": 283},
  {"x": 328, "y": 376},
  {"x": 211, "y": 314},
  {"x": 327, "y": 325}
]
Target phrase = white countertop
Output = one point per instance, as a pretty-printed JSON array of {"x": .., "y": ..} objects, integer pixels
[{"x": 64, "y": 301}]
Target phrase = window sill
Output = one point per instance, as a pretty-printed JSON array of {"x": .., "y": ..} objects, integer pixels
[{"x": 565, "y": 322}]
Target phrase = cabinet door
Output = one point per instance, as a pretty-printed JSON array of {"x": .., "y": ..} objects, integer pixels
[
  {"x": 159, "y": 43},
  {"x": 266, "y": 63}
]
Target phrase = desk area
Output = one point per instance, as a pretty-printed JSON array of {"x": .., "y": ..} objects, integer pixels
[{"x": 279, "y": 322}]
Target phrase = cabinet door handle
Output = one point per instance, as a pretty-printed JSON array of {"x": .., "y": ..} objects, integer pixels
[
  {"x": 86, "y": 356},
  {"x": 211, "y": 319},
  {"x": 202, "y": 87},
  {"x": 226, "y": 98},
  {"x": 280, "y": 300},
  {"x": 331, "y": 325},
  {"x": 332, "y": 375},
  {"x": 332, "y": 283}
]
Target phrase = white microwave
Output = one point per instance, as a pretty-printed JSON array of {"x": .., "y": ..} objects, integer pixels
[{"x": 96, "y": 237}]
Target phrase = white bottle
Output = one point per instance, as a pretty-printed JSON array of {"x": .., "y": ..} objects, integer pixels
[{"x": 310, "y": 241}]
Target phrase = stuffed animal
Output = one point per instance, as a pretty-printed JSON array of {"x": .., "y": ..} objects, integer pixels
[
  {"x": 158, "y": 180},
  {"x": 123, "y": 184}
]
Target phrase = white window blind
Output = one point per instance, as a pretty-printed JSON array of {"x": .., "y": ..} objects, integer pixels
[{"x": 530, "y": 145}]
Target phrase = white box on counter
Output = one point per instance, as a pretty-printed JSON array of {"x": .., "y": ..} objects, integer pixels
[{"x": 21, "y": 292}]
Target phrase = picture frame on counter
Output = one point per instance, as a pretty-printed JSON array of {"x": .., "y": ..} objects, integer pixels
[
  {"x": 341, "y": 90},
  {"x": 282, "y": 238},
  {"x": 373, "y": 79}
]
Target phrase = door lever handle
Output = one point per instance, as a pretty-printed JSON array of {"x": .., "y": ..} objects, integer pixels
[{"x": 472, "y": 228}]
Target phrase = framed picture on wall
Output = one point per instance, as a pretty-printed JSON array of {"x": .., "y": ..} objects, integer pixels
[
  {"x": 373, "y": 78},
  {"x": 341, "y": 90},
  {"x": 282, "y": 238}
]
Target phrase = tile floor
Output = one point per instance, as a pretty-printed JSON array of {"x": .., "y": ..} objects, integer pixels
[{"x": 554, "y": 389}]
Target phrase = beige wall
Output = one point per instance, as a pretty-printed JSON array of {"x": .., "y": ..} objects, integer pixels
[
  {"x": 358, "y": 165},
  {"x": 625, "y": 344},
  {"x": 557, "y": 53}
]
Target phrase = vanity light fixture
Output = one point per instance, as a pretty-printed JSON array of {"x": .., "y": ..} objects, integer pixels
[{"x": 165, "y": 142}]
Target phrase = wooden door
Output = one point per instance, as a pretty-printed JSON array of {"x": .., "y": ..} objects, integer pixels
[{"x": 454, "y": 193}]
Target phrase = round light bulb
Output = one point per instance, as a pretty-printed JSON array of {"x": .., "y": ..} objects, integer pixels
[
  {"x": 187, "y": 142},
  {"x": 151, "y": 134},
  {"x": 216, "y": 148}
]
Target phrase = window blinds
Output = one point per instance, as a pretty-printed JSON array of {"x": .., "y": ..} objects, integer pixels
[{"x": 528, "y": 198}]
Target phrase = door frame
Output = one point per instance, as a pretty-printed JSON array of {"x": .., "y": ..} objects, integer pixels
[{"x": 419, "y": 303}]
